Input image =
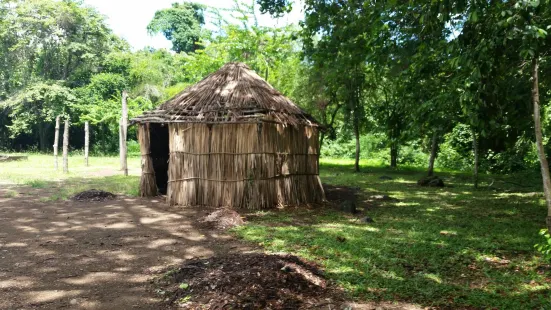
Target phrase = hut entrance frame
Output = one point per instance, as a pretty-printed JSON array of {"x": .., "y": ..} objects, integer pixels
[{"x": 160, "y": 154}]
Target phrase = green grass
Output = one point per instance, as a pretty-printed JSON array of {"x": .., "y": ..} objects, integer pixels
[
  {"x": 39, "y": 173},
  {"x": 36, "y": 183},
  {"x": 454, "y": 246},
  {"x": 10, "y": 194}
]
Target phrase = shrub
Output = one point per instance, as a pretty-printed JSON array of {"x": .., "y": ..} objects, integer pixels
[
  {"x": 133, "y": 148},
  {"x": 545, "y": 247}
]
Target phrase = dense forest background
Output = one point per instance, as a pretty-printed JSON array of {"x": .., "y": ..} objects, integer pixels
[{"x": 407, "y": 83}]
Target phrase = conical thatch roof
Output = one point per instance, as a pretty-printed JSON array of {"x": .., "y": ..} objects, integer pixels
[{"x": 234, "y": 93}]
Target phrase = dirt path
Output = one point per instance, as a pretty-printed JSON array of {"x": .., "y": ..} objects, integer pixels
[{"x": 94, "y": 255}]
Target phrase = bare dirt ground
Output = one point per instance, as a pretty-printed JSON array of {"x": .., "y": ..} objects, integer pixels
[
  {"x": 108, "y": 254},
  {"x": 94, "y": 255}
]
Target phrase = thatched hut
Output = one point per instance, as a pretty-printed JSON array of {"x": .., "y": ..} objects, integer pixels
[{"x": 230, "y": 140}]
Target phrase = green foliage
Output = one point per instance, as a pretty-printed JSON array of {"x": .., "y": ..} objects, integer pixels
[
  {"x": 180, "y": 24},
  {"x": 38, "y": 105},
  {"x": 545, "y": 247},
  {"x": 450, "y": 158},
  {"x": 275, "y": 7}
]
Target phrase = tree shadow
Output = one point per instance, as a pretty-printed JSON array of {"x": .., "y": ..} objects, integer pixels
[
  {"x": 447, "y": 247},
  {"x": 64, "y": 253}
]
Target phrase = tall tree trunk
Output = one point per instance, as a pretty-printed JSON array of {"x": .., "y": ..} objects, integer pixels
[
  {"x": 393, "y": 155},
  {"x": 56, "y": 142},
  {"x": 476, "y": 159},
  {"x": 122, "y": 133},
  {"x": 86, "y": 141},
  {"x": 433, "y": 151},
  {"x": 66, "y": 147},
  {"x": 539, "y": 140},
  {"x": 357, "y": 136}
]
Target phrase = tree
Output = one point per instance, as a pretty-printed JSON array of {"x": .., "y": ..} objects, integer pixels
[
  {"x": 182, "y": 24},
  {"x": 36, "y": 108},
  {"x": 527, "y": 23}
]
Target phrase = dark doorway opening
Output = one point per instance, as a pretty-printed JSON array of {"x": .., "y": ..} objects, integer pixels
[{"x": 160, "y": 153}]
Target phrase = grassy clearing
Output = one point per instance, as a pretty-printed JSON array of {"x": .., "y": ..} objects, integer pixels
[
  {"x": 435, "y": 247},
  {"x": 103, "y": 174}
]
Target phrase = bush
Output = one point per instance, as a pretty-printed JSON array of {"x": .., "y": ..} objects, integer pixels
[
  {"x": 411, "y": 155},
  {"x": 545, "y": 247},
  {"x": 449, "y": 158},
  {"x": 133, "y": 148},
  {"x": 345, "y": 147}
]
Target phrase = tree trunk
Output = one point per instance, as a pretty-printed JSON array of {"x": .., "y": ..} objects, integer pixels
[
  {"x": 433, "y": 151},
  {"x": 539, "y": 140},
  {"x": 66, "y": 147},
  {"x": 122, "y": 133},
  {"x": 42, "y": 143},
  {"x": 86, "y": 141},
  {"x": 476, "y": 159},
  {"x": 56, "y": 142},
  {"x": 357, "y": 136},
  {"x": 393, "y": 155}
]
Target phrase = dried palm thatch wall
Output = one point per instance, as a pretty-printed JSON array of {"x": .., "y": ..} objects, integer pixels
[
  {"x": 247, "y": 165},
  {"x": 148, "y": 185}
]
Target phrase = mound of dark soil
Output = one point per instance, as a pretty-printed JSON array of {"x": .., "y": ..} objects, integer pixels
[
  {"x": 432, "y": 181},
  {"x": 340, "y": 193},
  {"x": 93, "y": 195},
  {"x": 248, "y": 281},
  {"x": 223, "y": 219}
]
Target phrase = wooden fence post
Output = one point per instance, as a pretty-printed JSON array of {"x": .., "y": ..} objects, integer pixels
[
  {"x": 123, "y": 127},
  {"x": 86, "y": 141},
  {"x": 56, "y": 142},
  {"x": 66, "y": 147}
]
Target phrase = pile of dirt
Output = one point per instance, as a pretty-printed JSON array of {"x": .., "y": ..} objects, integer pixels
[
  {"x": 93, "y": 195},
  {"x": 248, "y": 281},
  {"x": 340, "y": 193},
  {"x": 432, "y": 181},
  {"x": 223, "y": 219}
]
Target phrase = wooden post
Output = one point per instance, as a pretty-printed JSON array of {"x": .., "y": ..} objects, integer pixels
[
  {"x": 56, "y": 142},
  {"x": 123, "y": 126},
  {"x": 86, "y": 141},
  {"x": 66, "y": 147}
]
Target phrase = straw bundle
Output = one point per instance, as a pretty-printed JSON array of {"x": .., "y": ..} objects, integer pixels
[
  {"x": 233, "y": 94},
  {"x": 148, "y": 186},
  {"x": 253, "y": 166}
]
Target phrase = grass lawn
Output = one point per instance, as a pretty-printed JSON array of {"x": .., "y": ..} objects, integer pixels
[
  {"x": 102, "y": 173},
  {"x": 452, "y": 247}
]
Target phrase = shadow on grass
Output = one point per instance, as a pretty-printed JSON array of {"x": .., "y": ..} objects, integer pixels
[{"x": 451, "y": 247}]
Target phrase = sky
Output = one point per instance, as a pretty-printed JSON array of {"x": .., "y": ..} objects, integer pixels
[{"x": 129, "y": 18}]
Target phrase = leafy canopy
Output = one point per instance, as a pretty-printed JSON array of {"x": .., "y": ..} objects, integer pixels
[{"x": 180, "y": 24}]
